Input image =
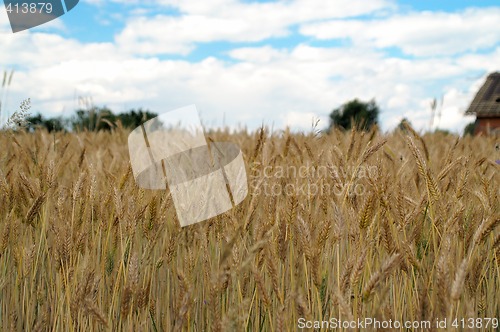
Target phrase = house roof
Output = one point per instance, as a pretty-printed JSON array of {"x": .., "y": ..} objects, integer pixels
[{"x": 486, "y": 103}]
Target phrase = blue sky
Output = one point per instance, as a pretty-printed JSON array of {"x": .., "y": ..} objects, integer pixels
[{"x": 244, "y": 63}]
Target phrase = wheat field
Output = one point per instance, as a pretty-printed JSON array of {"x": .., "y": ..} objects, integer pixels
[{"x": 399, "y": 226}]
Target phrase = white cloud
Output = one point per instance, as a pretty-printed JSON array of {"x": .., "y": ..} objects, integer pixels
[
  {"x": 287, "y": 88},
  {"x": 257, "y": 54},
  {"x": 229, "y": 20},
  {"x": 420, "y": 34},
  {"x": 452, "y": 110},
  {"x": 177, "y": 35},
  {"x": 293, "y": 11},
  {"x": 475, "y": 61}
]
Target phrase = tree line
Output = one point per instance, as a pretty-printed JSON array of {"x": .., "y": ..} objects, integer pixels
[
  {"x": 352, "y": 114},
  {"x": 355, "y": 113},
  {"x": 93, "y": 119}
]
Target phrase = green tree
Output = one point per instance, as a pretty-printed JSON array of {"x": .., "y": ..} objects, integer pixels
[
  {"x": 102, "y": 118},
  {"x": 51, "y": 124},
  {"x": 355, "y": 113},
  {"x": 134, "y": 118},
  {"x": 469, "y": 129},
  {"x": 93, "y": 119}
]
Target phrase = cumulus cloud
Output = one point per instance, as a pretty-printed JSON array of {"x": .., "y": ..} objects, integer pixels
[
  {"x": 230, "y": 20},
  {"x": 419, "y": 34},
  {"x": 257, "y": 54},
  {"x": 177, "y": 35}
]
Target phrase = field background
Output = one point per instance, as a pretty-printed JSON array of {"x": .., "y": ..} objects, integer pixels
[{"x": 83, "y": 248}]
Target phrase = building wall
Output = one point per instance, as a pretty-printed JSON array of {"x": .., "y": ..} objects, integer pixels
[{"x": 488, "y": 125}]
